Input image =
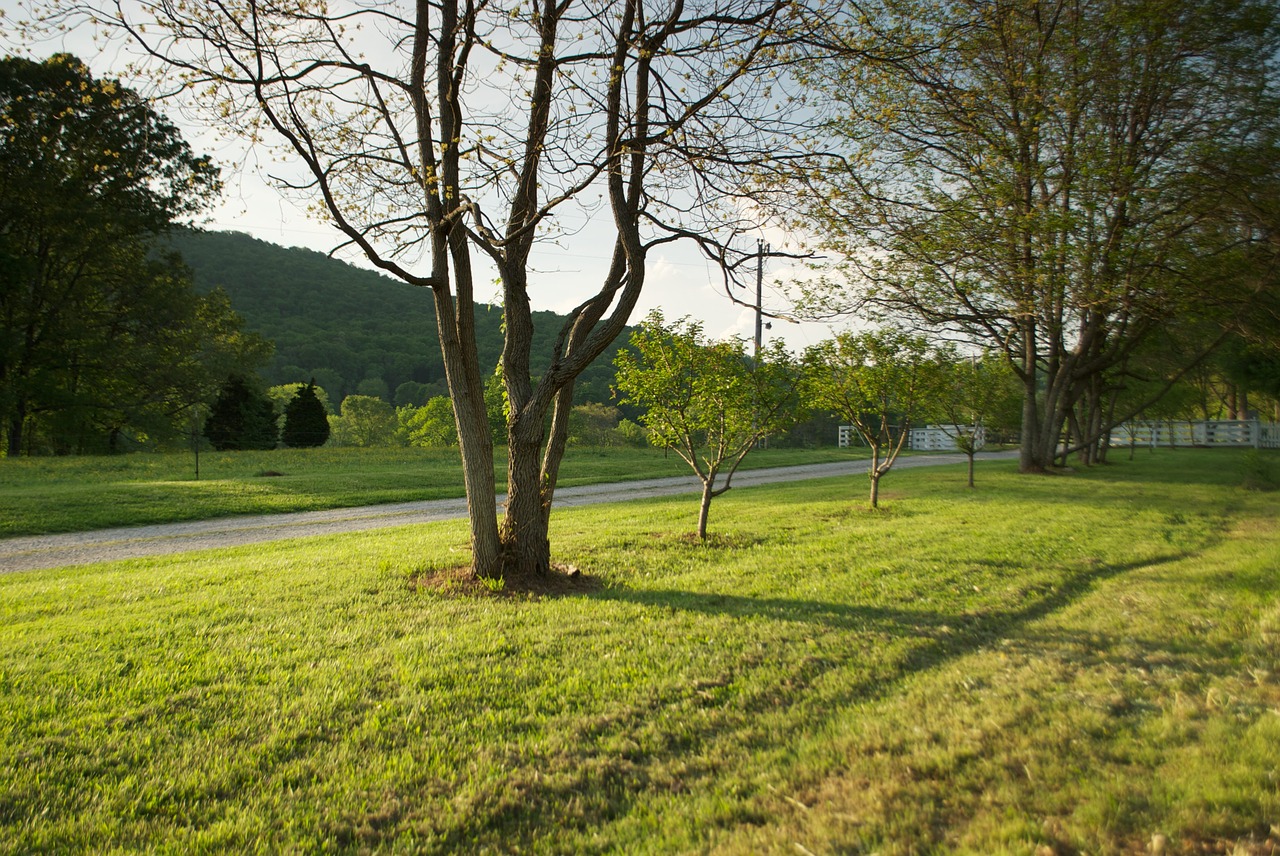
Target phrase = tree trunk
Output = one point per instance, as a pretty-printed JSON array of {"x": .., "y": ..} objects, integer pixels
[
  {"x": 971, "y": 469},
  {"x": 526, "y": 550},
  {"x": 1029, "y": 454},
  {"x": 704, "y": 511},
  {"x": 16, "y": 424},
  {"x": 475, "y": 443},
  {"x": 556, "y": 443}
]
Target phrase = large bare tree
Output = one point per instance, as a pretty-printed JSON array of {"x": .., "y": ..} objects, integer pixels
[
  {"x": 440, "y": 132},
  {"x": 1052, "y": 178}
]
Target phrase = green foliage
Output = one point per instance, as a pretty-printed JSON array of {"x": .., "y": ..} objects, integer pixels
[
  {"x": 879, "y": 382},
  {"x": 977, "y": 391},
  {"x": 594, "y": 425},
  {"x": 706, "y": 400},
  {"x": 241, "y": 418},
  {"x": 282, "y": 394},
  {"x": 364, "y": 421},
  {"x": 495, "y": 405},
  {"x": 103, "y": 337},
  {"x": 430, "y": 426},
  {"x": 306, "y": 420},
  {"x": 413, "y": 394},
  {"x": 632, "y": 434}
]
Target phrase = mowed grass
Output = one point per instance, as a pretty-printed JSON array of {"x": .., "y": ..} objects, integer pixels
[
  {"x": 1061, "y": 664},
  {"x": 45, "y": 495}
]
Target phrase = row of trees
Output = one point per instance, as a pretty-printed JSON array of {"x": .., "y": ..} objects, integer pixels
[
  {"x": 712, "y": 403},
  {"x": 1087, "y": 188},
  {"x": 298, "y": 415},
  {"x": 1081, "y": 186}
]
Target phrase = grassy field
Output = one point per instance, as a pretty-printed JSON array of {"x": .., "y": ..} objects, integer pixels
[
  {"x": 1066, "y": 664},
  {"x": 44, "y": 495}
]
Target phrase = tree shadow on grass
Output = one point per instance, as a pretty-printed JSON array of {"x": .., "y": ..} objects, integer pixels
[{"x": 606, "y": 787}]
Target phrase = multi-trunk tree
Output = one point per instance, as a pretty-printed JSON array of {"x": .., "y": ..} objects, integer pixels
[
  {"x": 442, "y": 137},
  {"x": 1054, "y": 179}
]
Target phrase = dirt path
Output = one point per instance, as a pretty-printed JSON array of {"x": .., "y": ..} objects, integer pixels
[{"x": 107, "y": 545}]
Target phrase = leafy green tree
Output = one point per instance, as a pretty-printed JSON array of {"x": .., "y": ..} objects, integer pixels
[
  {"x": 429, "y": 426},
  {"x": 879, "y": 382},
  {"x": 706, "y": 400},
  {"x": 412, "y": 394},
  {"x": 973, "y": 396},
  {"x": 306, "y": 420},
  {"x": 282, "y": 394},
  {"x": 632, "y": 434},
  {"x": 241, "y": 418},
  {"x": 365, "y": 421},
  {"x": 1055, "y": 180},
  {"x": 98, "y": 331},
  {"x": 594, "y": 424},
  {"x": 374, "y": 387}
]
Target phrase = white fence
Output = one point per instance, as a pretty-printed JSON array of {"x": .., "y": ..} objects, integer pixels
[
  {"x": 942, "y": 438},
  {"x": 1249, "y": 433},
  {"x": 932, "y": 438}
]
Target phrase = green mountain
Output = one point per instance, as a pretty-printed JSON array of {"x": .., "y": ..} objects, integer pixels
[{"x": 353, "y": 330}]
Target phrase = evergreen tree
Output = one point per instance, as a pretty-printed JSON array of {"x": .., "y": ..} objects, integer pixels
[
  {"x": 306, "y": 424},
  {"x": 241, "y": 418}
]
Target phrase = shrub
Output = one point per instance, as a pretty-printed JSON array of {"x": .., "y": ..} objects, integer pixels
[{"x": 306, "y": 422}]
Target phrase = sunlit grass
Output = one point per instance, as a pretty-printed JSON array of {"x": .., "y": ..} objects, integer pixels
[
  {"x": 1074, "y": 662},
  {"x": 41, "y": 495}
]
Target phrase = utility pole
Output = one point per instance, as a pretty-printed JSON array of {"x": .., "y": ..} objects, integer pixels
[{"x": 761, "y": 249}]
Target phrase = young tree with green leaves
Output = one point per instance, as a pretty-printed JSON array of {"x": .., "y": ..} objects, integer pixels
[
  {"x": 707, "y": 401},
  {"x": 974, "y": 392},
  {"x": 365, "y": 421},
  {"x": 430, "y": 426},
  {"x": 878, "y": 382},
  {"x": 306, "y": 420}
]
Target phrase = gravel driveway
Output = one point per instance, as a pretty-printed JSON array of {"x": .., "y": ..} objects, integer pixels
[{"x": 106, "y": 545}]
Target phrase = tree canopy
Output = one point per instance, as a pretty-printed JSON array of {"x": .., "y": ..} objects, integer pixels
[
  {"x": 1055, "y": 180},
  {"x": 880, "y": 382},
  {"x": 242, "y": 417},
  {"x": 706, "y": 400},
  {"x": 306, "y": 420},
  {"x": 102, "y": 335}
]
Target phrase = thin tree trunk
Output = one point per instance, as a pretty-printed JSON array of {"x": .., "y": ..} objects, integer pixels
[
  {"x": 704, "y": 511},
  {"x": 16, "y": 424}
]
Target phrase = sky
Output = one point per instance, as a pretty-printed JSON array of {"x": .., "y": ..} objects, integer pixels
[{"x": 678, "y": 280}]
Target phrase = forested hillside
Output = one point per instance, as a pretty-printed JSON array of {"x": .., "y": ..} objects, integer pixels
[{"x": 353, "y": 330}]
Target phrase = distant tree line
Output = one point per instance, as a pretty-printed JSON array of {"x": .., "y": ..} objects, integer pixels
[
  {"x": 104, "y": 343},
  {"x": 354, "y": 331}
]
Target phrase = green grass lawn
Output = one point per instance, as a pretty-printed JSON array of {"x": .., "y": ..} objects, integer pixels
[
  {"x": 1062, "y": 664},
  {"x": 44, "y": 495}
]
